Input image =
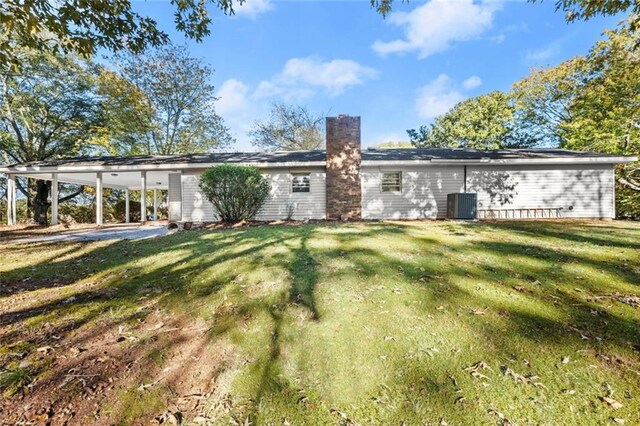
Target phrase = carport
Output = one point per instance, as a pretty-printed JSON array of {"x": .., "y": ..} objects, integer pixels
[{"x": 101, "y": 173}]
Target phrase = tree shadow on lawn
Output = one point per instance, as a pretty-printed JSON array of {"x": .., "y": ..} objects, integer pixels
[
  {"x": 195, "y": 271},
  {"x": 183, "y": 282},
  {"x": 597, "y": 234}
]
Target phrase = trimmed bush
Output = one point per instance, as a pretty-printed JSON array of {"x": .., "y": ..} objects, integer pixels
[{"x": 236, "y": 192}]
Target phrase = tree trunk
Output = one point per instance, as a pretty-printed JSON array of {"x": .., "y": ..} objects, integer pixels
[{"x": 41, "y": 202}]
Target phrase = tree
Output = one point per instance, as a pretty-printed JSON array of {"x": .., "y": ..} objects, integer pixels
[
  {"x": 236, "y": 192},
  {"x": 47, "y": 110},
  {"x": 573, "y": 9},
  {"x": 83, "y": 27},
  {"x": 394, "y": 145},
  {"x": 170, "y": 102},
  {"x": 606, "y": 109},
  {"x": 422, "y": 138},
  {"x": 587, "y": 9},
  {"x": 483, "y": 122},
  {"x": 591, "y": 103},
  {"x": 545, "y": 98},
  {"x": 289, "y": 128}
]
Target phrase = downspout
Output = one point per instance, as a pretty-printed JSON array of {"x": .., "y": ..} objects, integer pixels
[{"x": 465, "y": 178}]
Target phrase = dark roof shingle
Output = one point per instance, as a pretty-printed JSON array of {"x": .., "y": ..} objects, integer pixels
[{"x": 318, "y": 156}]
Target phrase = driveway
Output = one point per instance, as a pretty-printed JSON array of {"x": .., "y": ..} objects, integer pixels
[{"x": 139, "y": 232}]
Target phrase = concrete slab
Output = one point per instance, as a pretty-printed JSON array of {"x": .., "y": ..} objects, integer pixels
[{"x": 101, "y": 234}]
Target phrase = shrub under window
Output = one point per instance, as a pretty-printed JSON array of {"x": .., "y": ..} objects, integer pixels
[
  {"x": 300, "y": 182},
  {"x": 237, "y": 192},
  {"x": 392, "y": 182}
]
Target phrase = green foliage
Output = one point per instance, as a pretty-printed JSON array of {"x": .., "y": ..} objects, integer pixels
[
  {"x": 573, "y": 9},
  {"x": 289, "y": 128},
  {"x": 50, "y": 109},
  {"x": 126, "y": 115},
  {"x": 484, "y": 122},
  {"x": 237, "y": 192},
  {"x": 592, "y": 103},
  {"x": 587, "y": 9},
  {"x": 544, "y": 99},
  {"x": 422, "y": 138},
  {"x": 394, "y": 145},
  {"x": 69, "y": 26},
  {"x": 14, "y": 381},
  {"x": 167, "y": 106}
]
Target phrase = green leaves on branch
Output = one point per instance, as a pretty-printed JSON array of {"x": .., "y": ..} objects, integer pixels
[
  {"x": 236, "y": 192},
  {"x": 83, "y": 27},
  {"x": 166, "y": 104},
  {"x": 484, "y": 122}
]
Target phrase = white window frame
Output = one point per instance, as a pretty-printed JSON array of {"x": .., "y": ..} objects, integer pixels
[
  {"x": 396, "y": 191},
  {"x": 303, "y": 175}
]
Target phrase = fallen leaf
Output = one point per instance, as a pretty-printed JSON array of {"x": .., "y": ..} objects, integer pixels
[
  {"x": 612, "y": 402},
  {"x": 618, "y": 420}
]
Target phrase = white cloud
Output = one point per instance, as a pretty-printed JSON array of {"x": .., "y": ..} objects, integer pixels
[
  {"x": 434, "y": 26},
  {"x": 472, "y": 82},
  {"x": 440, "y": 95},
  {"x": 541, "y": 55},
  {"x": 252, "y": 8},
  {"x": 301, "y": 77},
  {"x": 235, "y": 105},
  {"x": 232, "y": 97},
  {"x": 437, "y": 97},
  {"x": 240, "y": 104}
]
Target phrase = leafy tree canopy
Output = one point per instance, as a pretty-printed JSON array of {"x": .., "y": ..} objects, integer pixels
[
  {"x": 83, "y": 27},
  {"x": 483, "y": 122},
  {"x": 289, "y": 128},
  {"x": 165, "y": 105},
  {"x": 50, "y": 109}
]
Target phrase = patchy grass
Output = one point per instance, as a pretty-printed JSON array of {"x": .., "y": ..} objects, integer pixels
[{"x": 367, "y": 323}]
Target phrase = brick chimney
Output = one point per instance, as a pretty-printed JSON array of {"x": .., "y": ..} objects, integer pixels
[{"x": 344, "y": 192}]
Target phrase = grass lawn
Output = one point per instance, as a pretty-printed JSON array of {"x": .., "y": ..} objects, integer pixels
[{"x": 365, "y": 323}]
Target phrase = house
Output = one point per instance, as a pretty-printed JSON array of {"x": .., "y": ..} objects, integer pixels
[{"x": 345, "y": 182}]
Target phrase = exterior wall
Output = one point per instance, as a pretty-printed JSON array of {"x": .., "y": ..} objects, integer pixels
[
  {"x": 307, "y": 205},
  {"x": 175, "y": 197},
  {"x": 581, "y": 190},
  {"x": 423, "y": 196},
  {"x": 344, "y": 190}
]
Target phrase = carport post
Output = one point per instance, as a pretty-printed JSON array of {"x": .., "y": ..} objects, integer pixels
[
  {"x": 155, "y": 204},
  {"x": 11, "y": 200},
  {"x": 54, "y": 199},
  {"x": 99, "y": 198},
  {"x": 143, "y": 197},
  {"x": 126, "y": 205}
]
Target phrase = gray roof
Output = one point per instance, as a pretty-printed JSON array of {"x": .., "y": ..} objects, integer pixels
[
  {"x": 474, "y": 154},
  {"x": 319, "y": 156}
]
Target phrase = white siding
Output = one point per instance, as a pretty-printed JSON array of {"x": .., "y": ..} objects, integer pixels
[
  {"x": 423, "y": 196},
  {"x": 175, "y": 197},
  {"x": 311, "y": 205},
  {"x": 582, "y": 191}
]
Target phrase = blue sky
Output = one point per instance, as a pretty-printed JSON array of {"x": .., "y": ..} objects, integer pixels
[{"x": 397, "y": 73}]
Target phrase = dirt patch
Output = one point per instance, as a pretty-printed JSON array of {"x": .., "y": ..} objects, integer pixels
[{"x": 107, "y": 372}]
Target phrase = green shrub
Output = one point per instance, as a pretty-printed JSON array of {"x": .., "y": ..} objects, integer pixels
[{"x": 236, "y": 192}]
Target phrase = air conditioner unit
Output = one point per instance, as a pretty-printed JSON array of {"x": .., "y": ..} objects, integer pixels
[{"x": 462, "y": 205}]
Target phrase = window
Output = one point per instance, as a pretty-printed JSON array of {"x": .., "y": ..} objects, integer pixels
[
  {"x": 300, "y": 182},
  {"x": 392, "y": 182}
]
